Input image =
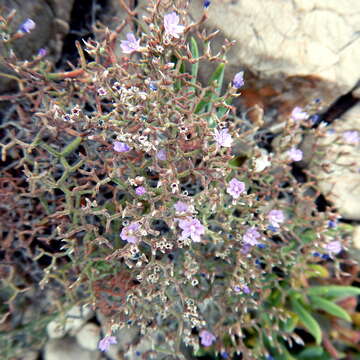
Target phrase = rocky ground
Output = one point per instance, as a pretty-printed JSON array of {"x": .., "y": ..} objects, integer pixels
[{"x": 292, "y": 53}]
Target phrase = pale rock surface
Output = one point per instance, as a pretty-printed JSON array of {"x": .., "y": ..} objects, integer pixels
[
  {"x": 74, "y": 320},
  {"x": 89, "y": 336},
  {"x": 300, "y": 37},
  {"x": 356, "y": 237},
  {"x": 31, "y": 355},
  {"x": 340, "y": 181},
  {"x": 68, "y": 349},
  {"x": 51, "y": 18}
]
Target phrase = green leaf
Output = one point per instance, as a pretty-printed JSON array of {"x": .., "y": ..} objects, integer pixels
[
  {"x": 290, "y": 323},
  {"x": 307, "y": 319},
  {"x": 334, "y": 291},
  {"x": 178, "y": 82},
  {"x": 311, "y": 352},
  {"x": 328, "y": 306},
  {"x": 218, "y": 76},
  {"x": 316, "y": 270},
  {"x": 195, "y": 54},
  {"x": 285, "y": 355},
  {"x": 237, "y": 161}
]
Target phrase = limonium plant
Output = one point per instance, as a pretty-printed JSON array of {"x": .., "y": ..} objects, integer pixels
[{"x": 170, "y": 217}]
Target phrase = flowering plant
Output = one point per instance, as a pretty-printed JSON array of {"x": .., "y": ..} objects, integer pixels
[{"x": 151, "y": 181}]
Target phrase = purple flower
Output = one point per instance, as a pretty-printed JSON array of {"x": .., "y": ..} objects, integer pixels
[
  {"x": 207, "y": 3},
  {"x": 276, "y": 217},
  {"x": 105, "y": 343},
  {"x": 153, "y": 87},
  {"x": 245, "y": 289},
  {"x": 127, "y": 233},
  {"x": 235, "y": 188},
  {"x": 332, "y": 224},
  {"x": 121, "y": 147},
  {"x": 27, "y": 26},
  {"x": 223, "y": 138},
  {"x": 101, "y": 91},
  {"x": 171, "y": 24},
  {"x": 351, "y": 137},
  {"x": 238, "y": 80},
  {"x": 207, "y": 338},
  {"x": 191, "y": 228},
  {"x": 161, "y": 155},
  {"x": 295, "y": 154},
  {"x": 251, "y": 235},
  {"x": 333, "y": 247},
  {"x": 140, "y": 190},
  {"x": 181, "y": 207},
  {"x": 42, "y": 52},
  {"x": 298, "y": 114},
  {"x": 245, "y": 249},
  {"x": 130, "y": 45}
]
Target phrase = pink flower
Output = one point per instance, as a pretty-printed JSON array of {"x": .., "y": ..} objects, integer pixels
[
  {"x": 276, "y": 217},
  {"x": 161, "y": 155},
  {"x": 27, "y": 26},
  {"x": 245, "y": 289},
  {"x": 238, "y": 80},
  {"x": 298, "y": 114},
  {"x": 140, "y": 190},
  {"x": 207, "y": 338},
  {"x": 121, "y": 147},
  {"x": 171, "y": 24},
  {"x": 235, "y": 188},
  {"x": 223, "y": 138},
  {"x": 127, "y": 233},
  {"x": 181, "y": 207},
  {"x": 295, "y": 154},
  {"x": 105, "y": 343},
  {"x": 351, "y": 137},
  {"x": 333, "y": 247},
  {"x": 191, "y": 228},
  {"x": 251, "y": 235},
  {"x": 130, "y": 45}
]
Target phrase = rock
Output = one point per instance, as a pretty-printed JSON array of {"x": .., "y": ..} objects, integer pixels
[
  {"x": 74, "y": 320},
  {"x": 89, "y": 336},
  {"x": 30, "y": 355},
  {"x": 339, "y": 170},
  {"x": 291, "y": 38},
  {"x": 51, "y": 19},
  {"x": 68, "y": 349},
  {"x": 356, "y": 237}
]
